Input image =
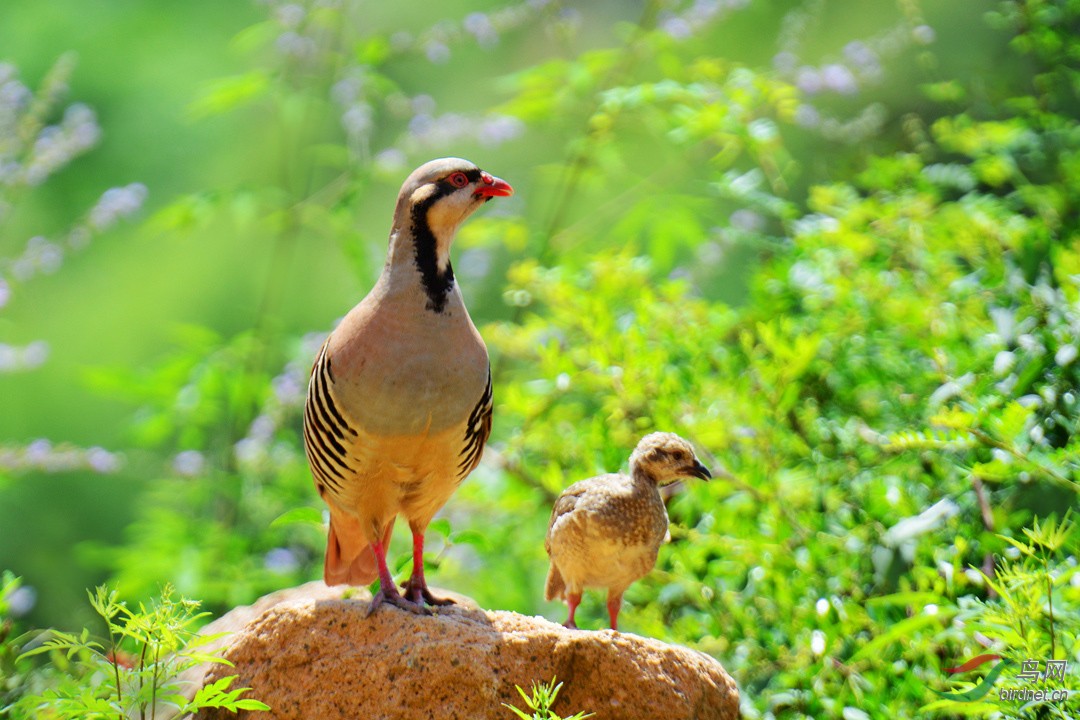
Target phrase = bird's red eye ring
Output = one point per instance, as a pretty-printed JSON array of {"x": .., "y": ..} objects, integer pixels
[{"x": 459, "y": 179}]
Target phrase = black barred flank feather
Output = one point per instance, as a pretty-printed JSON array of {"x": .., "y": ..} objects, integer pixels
[
  {"x": 325, "y": 429},
  {"x": 476, "y": 432}
]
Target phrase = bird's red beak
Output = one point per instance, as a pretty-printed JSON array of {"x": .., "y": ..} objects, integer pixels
[{"x": 493, "y": 187}]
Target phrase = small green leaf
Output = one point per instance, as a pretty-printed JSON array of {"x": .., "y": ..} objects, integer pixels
[
  {"x": 227, "y": 94},
  {"x": 306, "y": 515}
]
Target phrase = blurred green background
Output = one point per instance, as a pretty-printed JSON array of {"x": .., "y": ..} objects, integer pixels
[
  {"x": 800, "y": 233},
  {"x": 139, "y": 65}
]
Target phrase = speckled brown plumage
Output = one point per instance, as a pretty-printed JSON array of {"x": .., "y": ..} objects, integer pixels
[{"x": 605, "y": 532}]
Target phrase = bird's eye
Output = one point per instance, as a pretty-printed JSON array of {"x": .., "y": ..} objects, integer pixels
[{"x": 458, "y": 179}]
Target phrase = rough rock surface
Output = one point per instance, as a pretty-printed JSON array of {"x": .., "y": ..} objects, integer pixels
[{"x": 311, "y": 653}]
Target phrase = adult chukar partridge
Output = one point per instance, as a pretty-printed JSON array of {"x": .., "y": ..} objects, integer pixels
[
  {"x": 399, "y": 402},
  {"x": 606, "y": 532}
]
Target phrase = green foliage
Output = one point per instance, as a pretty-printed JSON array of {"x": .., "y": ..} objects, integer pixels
[
  {"x": 1033, "y": 616},
  {"x": 1026, "y": 587},
  {"x": 132, "y": 674},
  {"x": 540, "y": 703},
  {"x": 226, "y": 520},
  {"x": 898, "y": 389},
  {"x": 14, "y": 674}
]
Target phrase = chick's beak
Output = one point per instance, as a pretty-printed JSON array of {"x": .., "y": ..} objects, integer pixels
[
  {"x": 491, "y": 186},
  {"x": 698, "y": 470}
]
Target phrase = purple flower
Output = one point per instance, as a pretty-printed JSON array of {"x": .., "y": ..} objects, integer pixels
[
  {"x": 21, "y": 600},
  {"x": 290, "y": 16},
  {"x": 346, "y": 90},
  {"x": 479, "y": 26},
  {"x": 807, "y": 116},
  {"x": 188, "y": 463},
  {"x": 859, "y": 54},
  {"x": 785, "y": 61},
  {"x": 293, "y": 44},
  {"x": 34, "y": 354},
  {"x": 923, "y": 34},
  {"x": 116, "y": 203},
  {"x": 437, "y": 52},
  {"x": 357, "y": 120},
  {"x": 423, "y": 105},
  {"x": 281, "y": 560},
  {"x": 102, "y": 461},
  {"x": 249, "y": 451},
  {"x": 677, "y": 27},
  {"x": 420, "y": 125},
  {"x": 747, "y": 220},
  {"x": 57, "y": 145},
  {"x": 287, "y": 389},
  {"x": 839, "y": 79},
  {"x": 38, "y": 451},
  {"x": 808, "y": 79},
  {"x": 262, "y": 428},
  {"x": 14, "y": 359},
  {"x": 390, "y": 160},
  {"x": 497, "y": 129}
]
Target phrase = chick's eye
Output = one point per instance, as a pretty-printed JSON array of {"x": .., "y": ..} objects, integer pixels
[{"x": 458, "y": 179}]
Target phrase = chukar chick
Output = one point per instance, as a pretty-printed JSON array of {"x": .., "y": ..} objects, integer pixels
[
  {"x": 399, "y": 403},
  {"x": 605, "y": 532}
]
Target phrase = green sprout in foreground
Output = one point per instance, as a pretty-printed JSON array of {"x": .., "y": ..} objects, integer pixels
[{"x": 543, "y": 697}]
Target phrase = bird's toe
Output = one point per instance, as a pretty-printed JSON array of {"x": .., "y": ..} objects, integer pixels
[
  {"x": 419, "y": 594},
  {"x": 395, "y": 599}
]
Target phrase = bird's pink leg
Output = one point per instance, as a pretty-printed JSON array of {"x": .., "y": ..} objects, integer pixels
[
  {"x": 614, "y": 602},
  {"x": 416, "y": 588},
  {"x": 388, "y": 591},
  {"x": 572, "y": 601}
]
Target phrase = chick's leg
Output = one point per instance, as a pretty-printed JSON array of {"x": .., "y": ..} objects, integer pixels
[
  {"x": 572, "y": 601},
  {"x": 614, "y": 603}
]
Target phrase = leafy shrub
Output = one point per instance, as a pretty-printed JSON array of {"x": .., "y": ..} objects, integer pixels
[
  {"x": 1026, "y": 621},
  {"x": 133, "y": 674}
]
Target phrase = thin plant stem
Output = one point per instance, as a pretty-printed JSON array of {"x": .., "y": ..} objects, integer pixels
[
  {"x": 154, "y": 686},
  {"x": 142, "y": 666},
  {"x": 1053, "y": 474},
  {"x": 988, "y": 523},
  {"x": 116, "y": 668},
  {"x": 1050, "y": 600}
]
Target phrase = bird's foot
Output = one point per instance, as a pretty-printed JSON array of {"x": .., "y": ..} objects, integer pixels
[
  {"x": 570, "y": 625},
  {"x": 394, "y": 598},
  {"x": 416, "y": 590}
]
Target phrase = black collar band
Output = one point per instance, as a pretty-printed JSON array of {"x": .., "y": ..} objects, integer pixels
[{"x": 437, "y": 284}]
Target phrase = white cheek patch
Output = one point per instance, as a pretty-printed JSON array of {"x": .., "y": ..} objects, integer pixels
[
  {"x": 444, "y": 217},
  {"x": 449, "y": 211},
  {"x": 421, "y": 194}
]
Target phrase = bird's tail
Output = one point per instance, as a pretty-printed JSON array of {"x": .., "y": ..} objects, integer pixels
[
  {"x": 350, "y": 559},
  {"x": 555, "y": 587}
]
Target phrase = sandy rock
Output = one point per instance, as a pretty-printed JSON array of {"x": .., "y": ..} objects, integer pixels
[{"x": 312, "y": 654}]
